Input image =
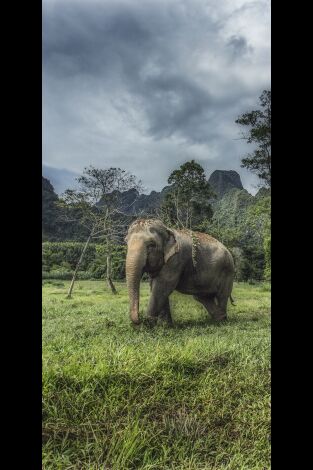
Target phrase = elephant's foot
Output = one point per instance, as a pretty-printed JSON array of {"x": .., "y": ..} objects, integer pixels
[
  {"x": 217, "y": 312},
  {"x": 220, "y": 318},
  {"x": 167, "y": 321},
  {"x": 151, "y": 321},
  {"x": 166, "y": 318}
]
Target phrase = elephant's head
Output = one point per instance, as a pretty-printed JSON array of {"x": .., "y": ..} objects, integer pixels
[{"x": 150, "y": 244}]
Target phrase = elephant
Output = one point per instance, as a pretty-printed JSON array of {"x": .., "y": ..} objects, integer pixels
[{"x": 189, "y": 262}]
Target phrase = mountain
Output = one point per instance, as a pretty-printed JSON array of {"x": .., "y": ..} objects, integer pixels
[
  {"x": 134, "y": 203},
  {"x": 229, "y": 207},
  {"x": 55, "y": 227},
  {"x": 222, "y": 181},
  {"x": 61, "y": 179},
  {"x": 49, "y": 209},
  {"x": 226, "y": 184}
]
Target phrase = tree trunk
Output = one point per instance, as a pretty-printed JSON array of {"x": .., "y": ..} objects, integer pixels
[
  {"x": 109, "y": 279},
  {"x": 69, "y": 294}
]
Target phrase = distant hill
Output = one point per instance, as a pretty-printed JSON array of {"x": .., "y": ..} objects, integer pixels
[
  {"x": 54, "y": 225},
  {"x": 61, "y": 179},
  {"x": 222, "y": 181},
  {"x": 229, "y": 207},
  {"x": 133, "y": 203},
  {"x": 50, "y": 212}
]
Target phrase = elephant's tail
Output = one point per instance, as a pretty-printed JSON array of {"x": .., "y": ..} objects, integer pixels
[{"x": 232, "y": 300}]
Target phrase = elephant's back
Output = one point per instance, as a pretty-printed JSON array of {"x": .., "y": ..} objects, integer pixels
[
  {"x": 207, "y": 264},
  {"x": 214, "y": 254},
  {"x": 206, "y": 250},
  {"x": 202, "y": 238}
]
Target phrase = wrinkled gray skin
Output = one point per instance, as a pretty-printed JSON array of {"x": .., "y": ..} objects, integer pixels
[{"x": 166, "y": 255}]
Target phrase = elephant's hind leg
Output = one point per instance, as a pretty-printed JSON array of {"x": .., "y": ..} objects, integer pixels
[
  {"x": 213, "y": 308},
  {"x": 223, "y": 295},
  {"x": 222, "y": 305}
]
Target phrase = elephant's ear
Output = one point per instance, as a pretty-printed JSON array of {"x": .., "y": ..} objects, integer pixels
[{"x": 171, "y": 246}]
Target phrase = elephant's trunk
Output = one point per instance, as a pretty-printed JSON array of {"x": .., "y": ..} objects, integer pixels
[{"x": 135, "y": 262}]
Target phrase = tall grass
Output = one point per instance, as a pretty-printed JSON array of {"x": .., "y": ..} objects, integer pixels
[{"x": 195, "y": 396}]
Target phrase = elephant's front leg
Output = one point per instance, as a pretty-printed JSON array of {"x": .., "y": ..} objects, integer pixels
[
  {"x": 159, "y": 303},
  {"x": 165, "y": 313}
]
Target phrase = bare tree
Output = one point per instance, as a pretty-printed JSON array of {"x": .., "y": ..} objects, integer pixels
[{"x": 99, "y": 206}]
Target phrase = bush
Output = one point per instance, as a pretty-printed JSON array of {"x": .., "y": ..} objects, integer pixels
[
  {"x": 67, "y": 275},
  {"x": 99, "y": 266},
  {"x": 249, "y": 263},
  {"x": 59, "y": 260},
  {"x": 267, "y": 253},
  {"x": 52, "y": 282},
  {"x": 66, "y": 255}
]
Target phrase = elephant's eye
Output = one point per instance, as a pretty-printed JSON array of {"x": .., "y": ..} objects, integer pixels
[{"x": 151, "y": 245}]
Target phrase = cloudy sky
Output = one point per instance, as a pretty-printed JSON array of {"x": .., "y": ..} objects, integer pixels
[{"x": 147, "y": 85}]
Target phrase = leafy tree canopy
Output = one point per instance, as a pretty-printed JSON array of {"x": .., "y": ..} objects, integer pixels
[
  {"x": 258, "y": 123},
  {"x": 187, "y": 202}
]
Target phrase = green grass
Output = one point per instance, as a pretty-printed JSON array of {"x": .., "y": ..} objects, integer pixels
[{"x": 115, "y": 396}]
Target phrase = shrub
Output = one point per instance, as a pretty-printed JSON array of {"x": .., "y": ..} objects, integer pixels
[
  {"x": 59, "y": 260},
  {"x": 249, "y": 263},
  {"x": 66, "y": 275},
  {"x": 267, "y": 253},
  {"x": 66, "y": 255}
]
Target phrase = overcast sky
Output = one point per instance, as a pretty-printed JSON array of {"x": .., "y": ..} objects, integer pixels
[{"x": 147, "y": 85}]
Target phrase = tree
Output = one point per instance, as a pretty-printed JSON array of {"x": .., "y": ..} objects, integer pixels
[
  {"x": 259, "y": 219},
  {"x": 55, "y": 226},
  {"x": 99, "y": 206},
  {"x": 259, "y": 122},
  {"x": 187, "y": 202}
]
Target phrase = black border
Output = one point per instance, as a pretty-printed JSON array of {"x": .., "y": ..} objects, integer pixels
[
  {"x": 22, "y": 235},
  {"x": 290, "y": 244}
]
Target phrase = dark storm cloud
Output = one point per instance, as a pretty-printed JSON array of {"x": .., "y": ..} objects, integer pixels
[
  {"x": 149, "y": 80},
  {"x": 239, "y": 46},
  {"x": 92, "y": 39},
  {"x": 108, "y": 42}
]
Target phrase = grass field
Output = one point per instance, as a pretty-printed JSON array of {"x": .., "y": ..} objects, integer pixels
[{"x": 195, "y": 396}]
